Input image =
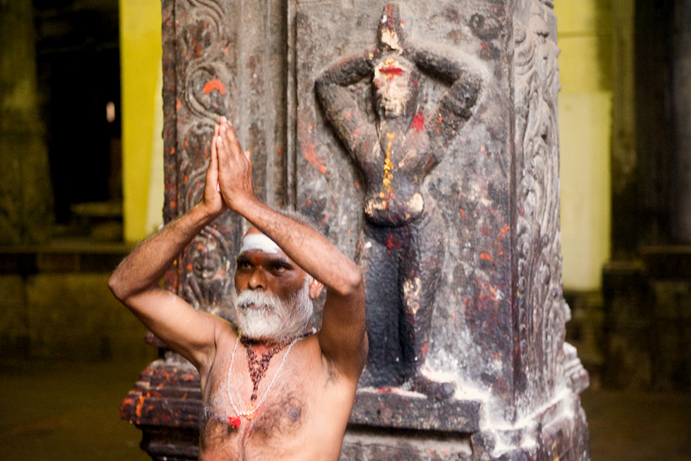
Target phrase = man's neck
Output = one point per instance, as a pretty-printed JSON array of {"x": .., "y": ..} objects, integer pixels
[{"x": 261, "y": 345}]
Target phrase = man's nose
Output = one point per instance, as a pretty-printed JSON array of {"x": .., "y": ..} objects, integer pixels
[{"x": 257, "y": 279}]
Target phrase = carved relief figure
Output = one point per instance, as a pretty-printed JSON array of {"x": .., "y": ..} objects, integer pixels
[{"x": 401, "y": 246}]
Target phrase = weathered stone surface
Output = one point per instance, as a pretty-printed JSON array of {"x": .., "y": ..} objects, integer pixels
[{"x": 412, "y": 411}]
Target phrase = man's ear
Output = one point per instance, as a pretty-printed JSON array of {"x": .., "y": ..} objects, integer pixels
[{"x": 316, "y": 288}]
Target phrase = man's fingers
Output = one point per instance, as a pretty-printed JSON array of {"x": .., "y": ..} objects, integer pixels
[
  {"x": 220, "y": 147},
  {"x": 230, "y": 138},
  {"x": 248, "y": 155}
]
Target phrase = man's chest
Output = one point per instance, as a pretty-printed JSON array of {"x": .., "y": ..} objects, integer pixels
[{"x": 279, "y": 415}]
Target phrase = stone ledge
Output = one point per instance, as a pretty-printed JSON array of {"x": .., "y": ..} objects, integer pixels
[{"x": 403, "y": 411}]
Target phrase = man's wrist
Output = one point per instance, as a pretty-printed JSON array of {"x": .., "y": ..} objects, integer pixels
[{"x": 205, "y": 216}]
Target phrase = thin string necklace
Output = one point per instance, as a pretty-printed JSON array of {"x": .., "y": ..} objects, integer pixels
[{"x": 257, "y": 371}]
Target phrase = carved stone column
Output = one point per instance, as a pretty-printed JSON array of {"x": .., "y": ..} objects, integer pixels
[{"x": 452, "y": 212}]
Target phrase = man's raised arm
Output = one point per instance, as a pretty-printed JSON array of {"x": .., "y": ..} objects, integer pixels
[
  {"x": 342, "y": 337},
  {"x": 136, "y": 280}
]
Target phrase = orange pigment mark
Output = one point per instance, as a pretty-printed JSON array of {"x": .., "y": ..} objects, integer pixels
[
  {"x": 388, "y": 165},
  {"x": 463, "y": 213},
  {"x": 178, "y": 103},
  {"x": 309, "y": 152},
  {"x": 214, "y": 84},
  {"x": 504, "y": 229},
  {"x": 138, "y": 408},
  {"x": 485, "y": 256}
]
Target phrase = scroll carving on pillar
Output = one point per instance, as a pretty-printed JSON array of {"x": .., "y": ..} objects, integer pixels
[
  {"x": 204, "y": 68},
  {"x": 541, "y": 306},
  {"x": 402, "y": 242}
]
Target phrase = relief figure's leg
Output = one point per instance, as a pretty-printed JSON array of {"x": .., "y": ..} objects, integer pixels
[
  {"x": 379, "y": 266},
  {"x": 421, "y": 273}
]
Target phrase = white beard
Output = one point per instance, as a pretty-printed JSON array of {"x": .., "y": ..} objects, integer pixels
[{"x": 266, "y": 317}]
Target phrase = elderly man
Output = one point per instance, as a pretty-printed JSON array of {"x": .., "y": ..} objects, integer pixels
[{"x": 272, "y": 391}]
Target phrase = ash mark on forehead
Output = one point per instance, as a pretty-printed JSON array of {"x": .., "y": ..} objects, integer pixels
[{"x": 259, "y": 242}]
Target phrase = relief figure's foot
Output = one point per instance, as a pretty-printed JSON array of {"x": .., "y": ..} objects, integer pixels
[{"x": 432, "y": 389}]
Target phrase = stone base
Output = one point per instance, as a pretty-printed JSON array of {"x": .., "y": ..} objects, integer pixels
[
  {"x": 166, "y": 405},
  {"x": 559, "y": 432}
]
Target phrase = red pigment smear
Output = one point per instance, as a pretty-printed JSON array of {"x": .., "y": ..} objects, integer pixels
[
  {"x": 214, "y": 84},
  {"x": 391, "y": 244},
  {"x": 418, "y": 122},
  {"x": 234, "y": 421},
  {"x": 391, "y": 71}
]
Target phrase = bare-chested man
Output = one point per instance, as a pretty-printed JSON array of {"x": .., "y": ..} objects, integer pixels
[{"x": 295, "y": 402}]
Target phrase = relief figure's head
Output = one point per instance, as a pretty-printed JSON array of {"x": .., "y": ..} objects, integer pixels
[{"x": 396, "y": 85}]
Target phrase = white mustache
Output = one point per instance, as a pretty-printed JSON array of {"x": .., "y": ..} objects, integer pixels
[{"x": 258, "y": 299}]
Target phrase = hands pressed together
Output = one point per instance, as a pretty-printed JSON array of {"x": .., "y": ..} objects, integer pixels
[{"x": 229, "y": 177}]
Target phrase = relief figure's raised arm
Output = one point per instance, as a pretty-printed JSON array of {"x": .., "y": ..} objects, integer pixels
[
  {"x": 341, "y": 109},
  {"x": 456, "y": 106}
]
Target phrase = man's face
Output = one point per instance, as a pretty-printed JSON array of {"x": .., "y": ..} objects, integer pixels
[
  {"x": 393, "y": 81},
  {"x": 273, "y": 301}
]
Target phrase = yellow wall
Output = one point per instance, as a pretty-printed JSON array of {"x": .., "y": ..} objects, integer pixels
[
  {"x": 140, "y": 58},
  {"x": 585, "y": 125}
]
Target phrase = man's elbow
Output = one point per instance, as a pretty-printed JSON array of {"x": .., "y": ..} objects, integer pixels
[
  {"x": 118, "y": 287},
  {"x": 353, "y": 282}
]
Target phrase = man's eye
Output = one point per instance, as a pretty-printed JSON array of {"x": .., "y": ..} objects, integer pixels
[
  {"x": 278, "y": 268},
  {"x": 244, "y": 265}
]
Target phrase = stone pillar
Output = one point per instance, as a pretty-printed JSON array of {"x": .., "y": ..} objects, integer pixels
[
  {"x": 451, "y": 209},
  {"x": 681, "y": 120},
  {"x": 26, "y": 206},
  {"x": 490, "y": 206},
  {"x": 626, "y": 193}
]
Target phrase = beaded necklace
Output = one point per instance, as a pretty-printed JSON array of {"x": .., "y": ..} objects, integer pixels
[{"x": 257, "y": 368}]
